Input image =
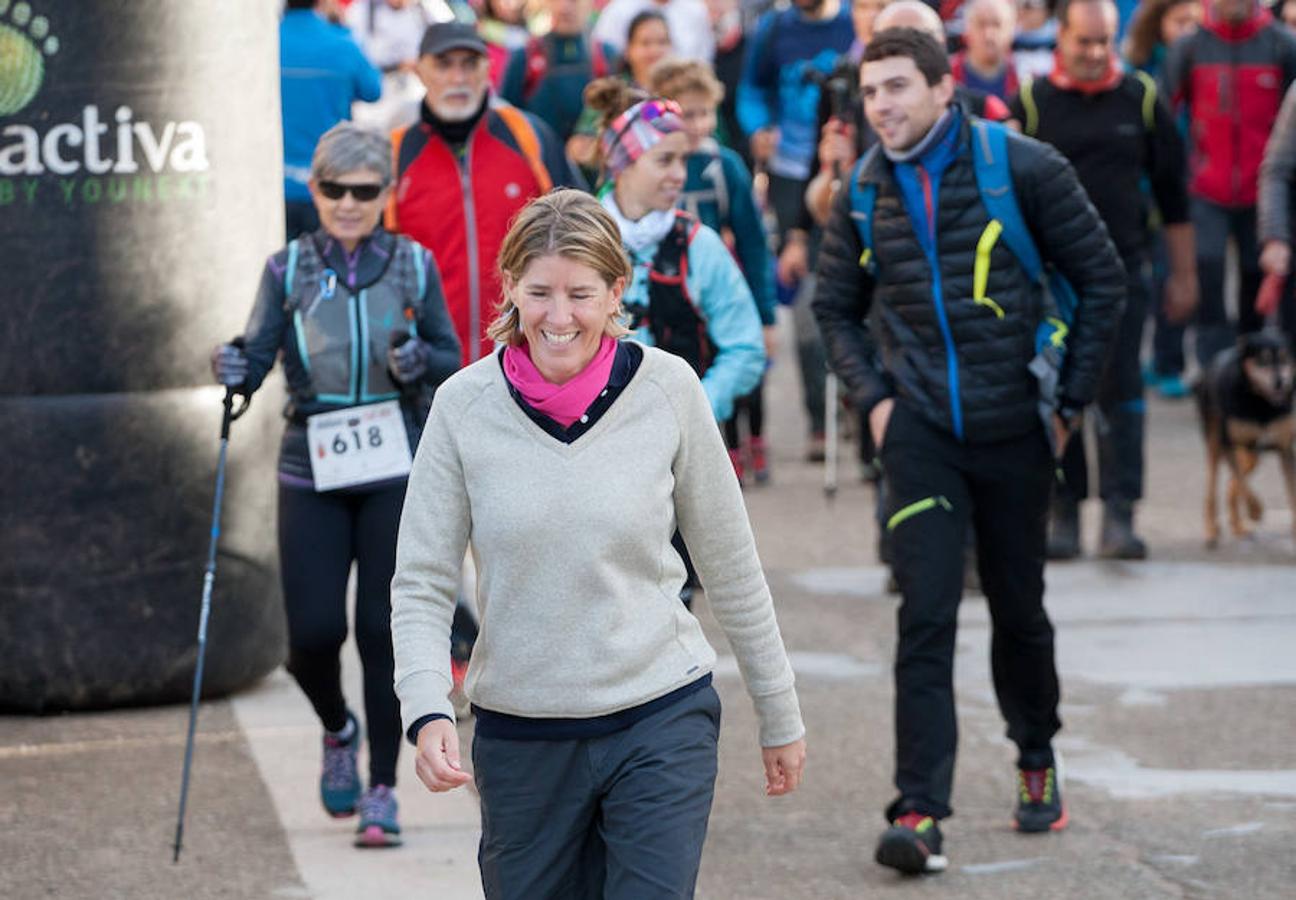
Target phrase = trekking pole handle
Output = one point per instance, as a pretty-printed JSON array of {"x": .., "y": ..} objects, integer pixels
[{"x": 230, "y": 412}]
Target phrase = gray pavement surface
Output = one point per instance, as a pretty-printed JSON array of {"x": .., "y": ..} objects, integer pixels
[{"x": 1179, "y": 707}]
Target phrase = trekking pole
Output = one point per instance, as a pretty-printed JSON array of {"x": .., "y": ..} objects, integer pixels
[
  {"x": 830, "y": 435},
  {"x": 209, "y": 577}
]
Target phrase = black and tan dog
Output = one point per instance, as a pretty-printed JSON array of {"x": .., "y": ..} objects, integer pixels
[{"x": 1245, "y": 401}]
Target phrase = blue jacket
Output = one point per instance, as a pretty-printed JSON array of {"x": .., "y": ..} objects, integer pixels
[
  {"x": 723, "y": 299},
  {"x": 780, "y": 85},
  {"x": 321, "y": 72},
  {"x": 718, "y": 190}
]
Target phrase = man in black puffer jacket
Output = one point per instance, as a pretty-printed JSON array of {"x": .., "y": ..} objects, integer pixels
[{"x": 932, "y": 333}]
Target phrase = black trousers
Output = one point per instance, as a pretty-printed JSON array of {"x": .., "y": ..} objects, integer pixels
[
  {"x": 320, "y": 535},
  {"x": 937, "y": 487},
  {"x": 1167, "y": 336},
  {"x": 617, "y": 817},
  {"x": 1213, "y": 225},
  {"x": 753, "y": 406},
  {"x": 787, "y": 199},
  {"x": 1120, "y": 413}
]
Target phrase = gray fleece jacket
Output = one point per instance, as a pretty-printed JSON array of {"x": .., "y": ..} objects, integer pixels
[{"x": 578, "y": 585}]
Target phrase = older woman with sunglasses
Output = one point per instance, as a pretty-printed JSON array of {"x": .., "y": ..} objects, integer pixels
[{"x": 358, "y": 317}]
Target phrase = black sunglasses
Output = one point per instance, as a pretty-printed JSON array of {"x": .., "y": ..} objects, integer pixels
[{"x": 365, "y": 193}]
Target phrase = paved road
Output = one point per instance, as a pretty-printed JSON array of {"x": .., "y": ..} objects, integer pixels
[{"x": 1179, "y": 691}]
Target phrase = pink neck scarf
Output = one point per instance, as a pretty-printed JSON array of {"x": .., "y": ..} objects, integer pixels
[{"x": 564, "y": 403}]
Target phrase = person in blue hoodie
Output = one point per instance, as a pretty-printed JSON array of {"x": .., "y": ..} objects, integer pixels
[
  {"x": 718, "y": 191},
  {"x": 791, "y": 53},
  {"x": 322, "y": 71}
]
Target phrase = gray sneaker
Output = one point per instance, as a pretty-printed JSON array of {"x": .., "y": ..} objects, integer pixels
[
  {"x": 339, "y": 780},
  {"x": 378, "y": 826}
]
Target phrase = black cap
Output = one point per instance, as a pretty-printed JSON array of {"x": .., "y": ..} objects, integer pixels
[{"x": 443, "y": 36}]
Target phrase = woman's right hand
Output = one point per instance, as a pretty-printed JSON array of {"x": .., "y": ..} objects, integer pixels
[
  {"x": 437, "y": 759},
  {"x": 783, "y": 767},
  {"x": 230, "y": 365}
]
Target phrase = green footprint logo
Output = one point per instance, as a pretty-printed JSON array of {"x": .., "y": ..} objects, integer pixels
[{"x": 25, "y": 41}]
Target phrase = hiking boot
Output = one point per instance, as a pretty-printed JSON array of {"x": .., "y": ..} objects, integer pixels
[
  {"x": 912, "y": 845},
  {"x": 1039, "y": 801},
  {"x": 378, "y": 826},
  {"x": 1064, "y": 528},
  {"x": 340, "y": 782},
  {"x": 759, "y": 460},
  {"x": 1118, "y": 538},
  {"x": 735, "y": 457}
]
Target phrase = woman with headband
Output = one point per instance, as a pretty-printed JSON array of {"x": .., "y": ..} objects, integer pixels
[{"x": 686, "y": 295}]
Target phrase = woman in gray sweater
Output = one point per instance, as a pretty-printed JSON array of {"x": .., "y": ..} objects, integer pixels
[{"x": 565, "y": 462}]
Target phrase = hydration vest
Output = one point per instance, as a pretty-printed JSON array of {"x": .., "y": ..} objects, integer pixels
[
  {"x": 676, "y": 324},
  {"x": 539, "y": 66},
  {"x": 343, "y": 334}
]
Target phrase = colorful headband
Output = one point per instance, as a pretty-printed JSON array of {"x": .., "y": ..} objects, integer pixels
[{"x": 637, "y": 130}]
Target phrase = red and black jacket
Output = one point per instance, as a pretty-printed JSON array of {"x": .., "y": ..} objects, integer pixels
[
  {"x": 458, "y": 201},
  {"x": 1231, "y": 79}
]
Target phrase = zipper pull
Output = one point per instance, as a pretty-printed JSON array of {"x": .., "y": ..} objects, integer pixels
[{"x": 328, "y": 284}]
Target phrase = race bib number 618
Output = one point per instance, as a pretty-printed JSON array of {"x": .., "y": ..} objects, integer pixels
[{"x": 360, "y": 445}]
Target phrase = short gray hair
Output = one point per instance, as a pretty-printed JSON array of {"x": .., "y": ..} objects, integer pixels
[{"x": 346, "y": 148}]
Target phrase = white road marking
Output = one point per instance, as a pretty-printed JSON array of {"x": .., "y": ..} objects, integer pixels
[
  {"x": 1234, "y": 830},
  {"x": 997, "y": 868}
]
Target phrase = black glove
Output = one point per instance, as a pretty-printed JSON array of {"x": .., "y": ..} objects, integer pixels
[
  {"x": 409, "y": 362},
  {"x": 230, "y": 365}
]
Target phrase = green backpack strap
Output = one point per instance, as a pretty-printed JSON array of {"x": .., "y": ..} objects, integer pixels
[
  {"x": 1026, "y": 93},
  {"x": 1149, "y": 99}
]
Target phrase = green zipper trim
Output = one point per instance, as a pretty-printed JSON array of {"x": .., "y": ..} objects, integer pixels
[
  {"x": 918, "y": 506},
  {"x": 981, "y": 267}
]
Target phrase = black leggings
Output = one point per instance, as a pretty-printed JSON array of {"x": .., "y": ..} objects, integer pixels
[
  {"x": 320, "y": 535},
  {"x": 753, "y": 405}
]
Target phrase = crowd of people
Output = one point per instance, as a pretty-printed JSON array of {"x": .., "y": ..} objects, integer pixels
[{"x": 973, "y": 210}]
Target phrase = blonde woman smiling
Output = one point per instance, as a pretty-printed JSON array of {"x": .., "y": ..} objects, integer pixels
[{"x": 566, "y": 461}]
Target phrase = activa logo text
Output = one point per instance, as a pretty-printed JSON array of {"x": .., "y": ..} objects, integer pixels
[{"x": 71, "y": 148}]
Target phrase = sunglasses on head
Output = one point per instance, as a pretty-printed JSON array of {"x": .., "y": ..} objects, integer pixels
[{"x": 365, "y": 193}]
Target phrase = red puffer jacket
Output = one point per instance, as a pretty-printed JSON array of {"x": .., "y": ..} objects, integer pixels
[{"x": 1231, "y": 78}]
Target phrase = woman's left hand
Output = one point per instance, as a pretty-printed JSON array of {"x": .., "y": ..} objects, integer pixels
[{"x": 783, "y": 767}]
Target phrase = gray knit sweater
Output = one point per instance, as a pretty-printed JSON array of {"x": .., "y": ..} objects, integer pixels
[{"x": 578, "y": 585}]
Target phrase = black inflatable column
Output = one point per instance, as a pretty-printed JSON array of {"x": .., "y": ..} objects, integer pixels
[{"x": 140, "y": 192}]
